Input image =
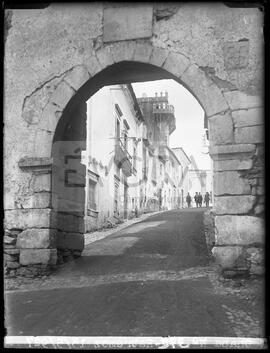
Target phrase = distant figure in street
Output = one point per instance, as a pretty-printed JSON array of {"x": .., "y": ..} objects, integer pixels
[
  {"x": 188, "y": 199},
  {"x": 200, "y": 199},
  {"x": 207, "y": 199},
  {"x": 196, "y": 199}
]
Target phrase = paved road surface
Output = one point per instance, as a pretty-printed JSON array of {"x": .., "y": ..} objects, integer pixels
[{"x": 151, "y": 279}]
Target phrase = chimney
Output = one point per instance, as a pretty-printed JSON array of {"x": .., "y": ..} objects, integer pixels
[
  {"x": 156, "y": 94},
  {"x": 160, "y": 94},
  {"x": 166, "y": 94}
]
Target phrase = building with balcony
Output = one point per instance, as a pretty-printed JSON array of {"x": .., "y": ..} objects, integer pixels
[{"x": 113, "y": 157}]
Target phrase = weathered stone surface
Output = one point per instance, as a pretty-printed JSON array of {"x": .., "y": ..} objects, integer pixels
[
  {"x": 8, "y": 257},
  {"x": 230, "y": 183},
  {"x": 207, "y": 93},
  {"x": 9, "y": 240},
  {"x": 143, "y": 52},
  {"x": 232, "y": 164},
  {"x": 221, "y": 129},
  {"x": 12, "y": 264},
  {"x": 36, "y": 200},
  {"x": 33, "y": 162},
  {"x": 36, "y": 238},
  {"x": 12, "y": 251},
  {"x": 158, "y": 56},
  {"x": 62, "y": 95},
  {"x": 229, "y": 151},
  {"x": 104, "y": 57},
  {"x": 227, "y": 256},
  {"x": 176, "y": 64},
  {"x": 68, "y": 222},
  {"x": 127, "y": 22},
  {"x": 250, "y": 134},
  {"x": 257, "y": 270},
  {"x": 123, "y": 51},
  {"x": 242, "y": 118},
  {"x": 256, "y": 255},
  {"x": 29, "y": 218},
  {"x": 233, "y": 204},
  {"x": 240, "y": 100},
  {"x": 239, "y": 230},
  {"x": 93, "y": 65},
  {"x": 77, "y": 77},
  {"x": 38, "y": 256},
  {"x": 259, "y": 209},
  {"x": 70, "y": 241},
  {"x": 41, "y": 182}
]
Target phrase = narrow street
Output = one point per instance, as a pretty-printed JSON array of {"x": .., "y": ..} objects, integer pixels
[{"x": 153, "y": 278}]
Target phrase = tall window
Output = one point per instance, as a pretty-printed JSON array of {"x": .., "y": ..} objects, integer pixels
[
  {"x": 134, "y": 157},
  {"x": 92, "y": 195},
  {"x": 116, "y": 197}
]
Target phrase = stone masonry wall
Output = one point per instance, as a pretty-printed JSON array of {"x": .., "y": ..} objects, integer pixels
[{"x": 215, "y": 51}]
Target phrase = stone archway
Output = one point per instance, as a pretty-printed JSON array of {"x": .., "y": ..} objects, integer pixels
[{"x": 234, "y": 150}]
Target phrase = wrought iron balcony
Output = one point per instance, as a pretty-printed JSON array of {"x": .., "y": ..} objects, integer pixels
[{"x": 123, "y": 159}]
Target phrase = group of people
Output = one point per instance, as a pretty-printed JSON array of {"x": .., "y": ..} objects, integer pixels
[{"x": 198, "y": 198}]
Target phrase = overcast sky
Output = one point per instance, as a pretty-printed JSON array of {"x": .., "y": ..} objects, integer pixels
[{"x": 189, "y": 117}]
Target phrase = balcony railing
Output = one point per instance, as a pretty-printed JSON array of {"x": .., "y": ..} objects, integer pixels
[
  {"x": 163, "y": 108},
  {"x": 123, "y": 158}
]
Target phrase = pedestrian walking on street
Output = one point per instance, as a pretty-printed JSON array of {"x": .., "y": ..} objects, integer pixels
[
  {"x": 196, "y": 199},
  {"x": 207, "y": 199},
  {"x": 188, "y": 199},
  {"x": 200, "y": 199}
]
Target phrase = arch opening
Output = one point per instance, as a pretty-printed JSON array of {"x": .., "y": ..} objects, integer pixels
[{"x": 69, "y": 202}]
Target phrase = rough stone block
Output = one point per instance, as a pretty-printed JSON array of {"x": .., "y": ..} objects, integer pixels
[
  {"x": 221, "y": 129},
  {"x": 41, "y": 200},
  {"x": 41, "y": 182},
  {"x": 70, "y": 241},
  {"x": 143, "y": 52},
  {"x": 68, "y": 222},
  {"x": 9, "y": 240},
  {"x": 12, "y": 264},
  {"x": 158, "y": 56},
  {"x": 28, "y": 218},
  {"x": 229, "y": 151},
  {"x": 77, "y": 77},
  {"x": 127, "y": 22},
  {"x": 233, "y": 204},
  {"x": 123, "y": 51},
  {"x": 62, "y": 95},
  {"x": 38, "y": 256},
  {"x": 36, "y": 239},
  {"x": 176, "y": 64},
  {"x": 207, "y": 93},
  {"x": 12, "y": 251},
  {"x": 232, "y": 164},
  {"x": 104, "y": 57},
  {"x": 227, "y": 256},
  {"x": 230, "y": 183},
  {"x": 93, "y": 65},
  {"x": 257, "y": 270},
  {"x": 239, "y": 230},
  {"x": 8, "y": 257},
  {"x": 251, "y": 134},
  {"x": 242, "y": 118},
  {"x": 240, "y": 100},
  {"x": 256, "y": 255}
]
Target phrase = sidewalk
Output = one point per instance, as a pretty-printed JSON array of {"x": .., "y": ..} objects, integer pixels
[{"x": 103, "y": 233}]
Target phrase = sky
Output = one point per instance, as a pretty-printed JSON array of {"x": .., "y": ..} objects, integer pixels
[{"x": 189, "y": 117}]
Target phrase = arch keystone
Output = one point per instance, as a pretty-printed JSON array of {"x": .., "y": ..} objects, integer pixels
[
  {"x": 123, "y": 51},
  {"x": 143, "y": 52},
  {"x": 205, "y": 90},
  {"x": 176, "y": 64}
]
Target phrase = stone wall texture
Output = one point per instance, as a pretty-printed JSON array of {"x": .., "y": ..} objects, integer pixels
[{"x": 214, "y": 50}]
